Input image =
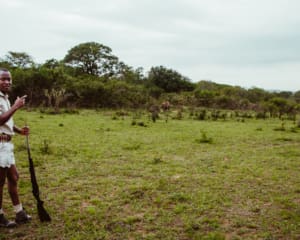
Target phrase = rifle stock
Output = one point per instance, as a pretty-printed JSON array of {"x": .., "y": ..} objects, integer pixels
[{"x": 43, "y": 214}]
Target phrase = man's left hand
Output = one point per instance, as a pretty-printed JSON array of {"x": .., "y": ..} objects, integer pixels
[{"x": 25, "y": 131}]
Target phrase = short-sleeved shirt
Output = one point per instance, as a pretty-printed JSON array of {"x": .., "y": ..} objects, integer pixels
[
  {"x": 8, "y": 127},
  {"x": 7, "y": 157}
]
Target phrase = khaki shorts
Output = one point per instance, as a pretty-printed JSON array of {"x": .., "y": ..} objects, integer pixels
[{"x": 7, "y": 157}]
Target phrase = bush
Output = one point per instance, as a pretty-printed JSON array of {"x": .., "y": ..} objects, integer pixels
[
  {"x": 204, "y": 139},
  {"x": 201, "y": 115}
]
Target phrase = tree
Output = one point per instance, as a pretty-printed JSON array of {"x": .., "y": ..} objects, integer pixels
[
  {"x": 225, "y": 102},
  {"x": 169, "y": 80},
  {"x": 5, "y": 64},
  {"x": 281, "y": 104},
  {"x": 123, "y": 94},
  {"x": 234, "y": 91},
  {"x": 204, "y": 98},
  {"x": 19, "y": 59},
  {"x": 55, "y": 98},
  {"x": 92, "y": 94},
  {"x": 256, "y": 95},
  {"x": 51, "y": 63},
  {"x": 207, "y": 85},
  {"x": 297, "y": 96},
  {"x": 93, "y": 58},
  {"x": 130, "y": 75},
  {"x": 284, "y": 94}
]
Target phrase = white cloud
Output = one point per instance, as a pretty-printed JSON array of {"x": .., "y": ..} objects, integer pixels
[{"x": 241, "y": 42}]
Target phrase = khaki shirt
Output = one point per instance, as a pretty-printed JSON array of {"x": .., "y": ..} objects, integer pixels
[{"x": 8, "y": 127}]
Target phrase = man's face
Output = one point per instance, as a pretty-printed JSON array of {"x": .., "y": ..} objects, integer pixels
[{"x": 5, "y": 81}]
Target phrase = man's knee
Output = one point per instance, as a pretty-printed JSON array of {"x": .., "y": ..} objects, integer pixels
[
  {"x": 13, "y": 178},
  {"x": 12, "y": 175}
]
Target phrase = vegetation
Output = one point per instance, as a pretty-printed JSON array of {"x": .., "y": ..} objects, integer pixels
[
  {"x": 102, "y": 177},
  {"x": 92, "y": 58},
  {"x": 91, "y": 76},
  {"x": 221, "y": 162}
]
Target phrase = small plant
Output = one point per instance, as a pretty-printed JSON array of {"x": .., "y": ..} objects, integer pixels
[
  {"x": 261, "y": 115},
  {"x": 242, "y": 120},
  {"x": 285, "y": 139},
  {"x": 215, "y": 115},
  {"x": 192, "y": 112},
  {"x": 131, "y": 147},
  {"x": 71, "y": 110},
  {"x": 156, "y": 160},
  {"x": 154, "y": 110},
  {"x": 223, "y": 116},
  {"x": 294, "y": 129},
  {"x": 45, "y": 149},
  {"x": 282, "y": 128},
  {"x": 179, "y": 114},
  {"x": 136, "y": 115},
  {"x": 121, "y": 113},
  {"x": 142, "y": 124},
  {"x": 201, "y": 115},
  {"x": 204, "y": 139}
]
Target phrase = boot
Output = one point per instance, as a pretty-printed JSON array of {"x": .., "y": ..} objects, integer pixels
[
  {"x": 5, "y": 223},
  {"x": 22, "y": 217}
]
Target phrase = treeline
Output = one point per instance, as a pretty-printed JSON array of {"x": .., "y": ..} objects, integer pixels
[{"x": 90, "y": 76}]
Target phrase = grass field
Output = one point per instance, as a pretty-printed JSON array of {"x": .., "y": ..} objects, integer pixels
[{"x": 103, "y": 178}]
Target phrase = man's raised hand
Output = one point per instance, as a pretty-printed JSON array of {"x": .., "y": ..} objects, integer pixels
[{"x": 20, "y": 101}]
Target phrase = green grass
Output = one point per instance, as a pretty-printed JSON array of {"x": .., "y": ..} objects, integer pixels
[{"x": 103, "y": 178}]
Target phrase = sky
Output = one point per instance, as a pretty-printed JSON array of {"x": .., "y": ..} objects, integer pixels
[{"x": 247, "y": 43}]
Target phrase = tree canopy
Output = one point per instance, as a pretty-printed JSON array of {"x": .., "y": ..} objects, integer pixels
[
  {"x": 93, "y": 58},
  {"x": 18, "y": 59},
  {"x": 91, "y": 76},
  {"x": 169, "y": 80}
]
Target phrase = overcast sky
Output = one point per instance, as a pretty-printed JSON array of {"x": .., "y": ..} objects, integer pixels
[{"x": 247, "y": 43}]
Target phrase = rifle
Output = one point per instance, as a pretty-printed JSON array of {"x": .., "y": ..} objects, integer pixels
[{"x": 43, "y": 215}]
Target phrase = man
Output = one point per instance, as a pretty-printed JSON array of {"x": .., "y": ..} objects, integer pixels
[{"x": 8, "y": 168}]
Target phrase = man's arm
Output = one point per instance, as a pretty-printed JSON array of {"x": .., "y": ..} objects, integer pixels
[
  {"x": 22, "y": 131},
  {"x": 20, "y": 102}
]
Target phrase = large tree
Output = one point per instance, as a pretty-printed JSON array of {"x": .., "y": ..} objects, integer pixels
[
  {"x": 169, "y": 80},
  {"x": 256, "y": 95},
  {"x": 93, "y": 58},
  {"x": 19, "y": 59}
]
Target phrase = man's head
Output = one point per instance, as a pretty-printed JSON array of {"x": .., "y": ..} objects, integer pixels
[{"x": 5, "y": 80}]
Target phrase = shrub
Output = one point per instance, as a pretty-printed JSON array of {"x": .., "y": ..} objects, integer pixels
[
  {"x": 45, "y": 148},
  {"x": 201, "y": 115},
  {"x": 282, "y": 128},
  {"x": 204, "y": 139}
]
